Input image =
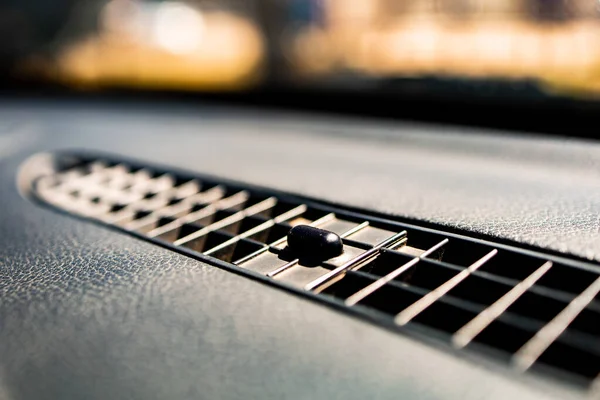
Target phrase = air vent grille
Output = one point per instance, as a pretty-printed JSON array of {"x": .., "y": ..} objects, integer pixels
[{"x": 531, "y": 309}]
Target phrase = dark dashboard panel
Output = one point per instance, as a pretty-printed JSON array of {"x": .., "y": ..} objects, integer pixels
[
  {"x": 87, "y": 312},
  {"x": 535, "y": 190}
]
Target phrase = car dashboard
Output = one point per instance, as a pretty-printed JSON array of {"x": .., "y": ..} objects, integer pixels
[{"x": 92, "y": 309}]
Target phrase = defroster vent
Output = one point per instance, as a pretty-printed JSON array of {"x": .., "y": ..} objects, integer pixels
[{"x": 522, "y": 307}]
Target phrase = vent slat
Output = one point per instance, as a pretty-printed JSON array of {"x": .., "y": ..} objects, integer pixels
[
  {"x": 544, "y": 338},
  {"x": 415, "y": 309},
  {"x": 483, "y": 319},
  {"x": 527, "y": 308}
]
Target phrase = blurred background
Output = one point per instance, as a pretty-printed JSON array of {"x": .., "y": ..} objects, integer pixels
[{"x": 538, "y": 46}]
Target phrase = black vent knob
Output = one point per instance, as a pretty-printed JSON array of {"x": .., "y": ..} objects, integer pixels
[{"x": 310, "y": 242}]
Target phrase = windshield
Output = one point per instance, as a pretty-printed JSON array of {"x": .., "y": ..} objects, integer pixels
[{"x": 524, "y": 47}]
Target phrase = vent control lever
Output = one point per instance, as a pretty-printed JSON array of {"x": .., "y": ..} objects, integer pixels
[{"x": 310, "y": 242}]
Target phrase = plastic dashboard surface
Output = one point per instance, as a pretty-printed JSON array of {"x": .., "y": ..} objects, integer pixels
[{"x": 88, "y": 312}]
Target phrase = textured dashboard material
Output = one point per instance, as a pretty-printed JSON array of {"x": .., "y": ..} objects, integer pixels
[
  {"x": 87, "y": 312},
  {"x": 536, "y": 190}
]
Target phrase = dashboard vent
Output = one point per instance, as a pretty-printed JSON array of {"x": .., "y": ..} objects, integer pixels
[{"x": 532, "y": 310}]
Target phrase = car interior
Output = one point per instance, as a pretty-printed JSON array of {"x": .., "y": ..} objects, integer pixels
[{"x": 304, "y": 199}]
